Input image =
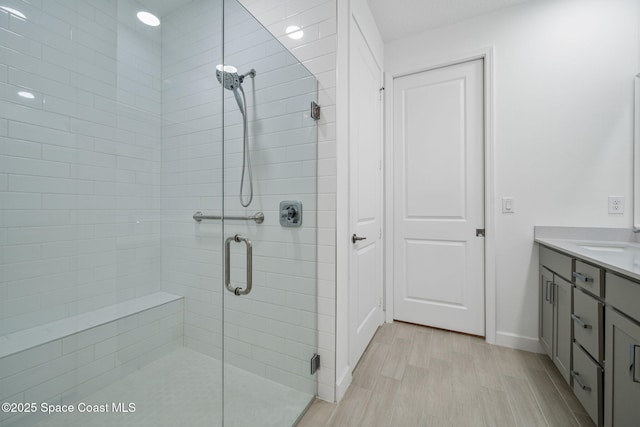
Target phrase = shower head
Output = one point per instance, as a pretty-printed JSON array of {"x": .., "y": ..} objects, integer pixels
[{"x": 228, "y": 77}]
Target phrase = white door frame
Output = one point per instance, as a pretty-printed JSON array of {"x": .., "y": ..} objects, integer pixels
[{"x": 489, "y": 202}]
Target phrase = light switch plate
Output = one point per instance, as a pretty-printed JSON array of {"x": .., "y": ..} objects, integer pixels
[{"x": 508, "y": 205}]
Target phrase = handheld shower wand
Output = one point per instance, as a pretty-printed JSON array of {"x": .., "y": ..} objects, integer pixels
[{"x": 229, "y": 78}]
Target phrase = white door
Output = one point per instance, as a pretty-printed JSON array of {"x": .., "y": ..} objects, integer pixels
[
  {"x": 439, "y": 198},
  {"x": 365, "y": 292}
]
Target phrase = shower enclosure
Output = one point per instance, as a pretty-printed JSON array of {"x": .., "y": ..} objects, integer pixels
[{"x": 136, "y": 288}]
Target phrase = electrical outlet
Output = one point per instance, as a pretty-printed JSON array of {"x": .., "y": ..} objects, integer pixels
[{"x": 616, "y": 204}]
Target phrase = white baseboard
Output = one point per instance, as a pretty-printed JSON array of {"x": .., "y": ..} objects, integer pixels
[
  {"x": 343, "y": 383},
  {"x": 507, "y": 339}
]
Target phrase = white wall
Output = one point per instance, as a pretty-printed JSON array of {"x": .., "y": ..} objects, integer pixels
[
  {"x": 80, "y": 162},
  {"x": 562, "y": 122}
]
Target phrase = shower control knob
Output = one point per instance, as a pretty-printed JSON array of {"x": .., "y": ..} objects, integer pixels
[
  {"x": 291, "y": 213},
  {"x": 356, "y": 238}
]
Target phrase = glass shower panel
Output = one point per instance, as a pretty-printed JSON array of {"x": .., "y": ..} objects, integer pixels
[
  {"x": 270, "y": 333},
  {"x": 114, "y": 135},
  {"x": 110, "y": 140}
]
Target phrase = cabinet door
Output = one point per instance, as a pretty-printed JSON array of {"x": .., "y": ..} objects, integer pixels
[
  {"x": 546, "y": 310},
  {"x": 622, "y": 371},
  {"x": 562, "y": 331}
]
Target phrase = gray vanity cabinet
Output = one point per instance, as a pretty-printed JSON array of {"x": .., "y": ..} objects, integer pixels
[
  {"x": 591, "y": 331},
  {"x": 622, "y": 353},
  {"x": 622, "y": 378},
  {"x": 555, "y": 309}
]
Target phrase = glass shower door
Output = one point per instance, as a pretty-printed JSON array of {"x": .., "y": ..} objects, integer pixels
[{"x": 270, "y": 149}]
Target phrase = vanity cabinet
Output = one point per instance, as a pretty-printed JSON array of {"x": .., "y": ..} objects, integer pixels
[
  {"x": 622, "y": 355},
  {"x": 590, "y": 327},
  {"x": 555, "y": 309},
  {"x": 588, "y": 333}
]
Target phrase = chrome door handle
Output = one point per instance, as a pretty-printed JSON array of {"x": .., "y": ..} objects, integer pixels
[
  {"x": 227, "y": 265},
  {"x": 356, "y": 238},
  {"x": 575, "y": 376},
  {"x": 580, "y": 322}
]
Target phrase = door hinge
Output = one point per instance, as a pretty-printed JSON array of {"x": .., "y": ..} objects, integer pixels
[
  {"x": 315, "y": 110},
  {"x": 480, "y": 232},
  {"x": 381, "y": 91},
  {"x": 315, "y": 363},
  {"x": 380, "y": 302}
]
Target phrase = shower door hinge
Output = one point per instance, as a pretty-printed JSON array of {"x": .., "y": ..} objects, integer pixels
[
  {"x": 315, "y": 110},
  {"x": 315, "y": 363}
]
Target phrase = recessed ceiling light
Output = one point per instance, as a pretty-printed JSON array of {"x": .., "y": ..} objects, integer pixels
[
  {"x": 148, "y": 18},
  {"x": 13, "y": 11},
  {"x": 26, "y": 94},
  {"x": 294, "y": 32}
]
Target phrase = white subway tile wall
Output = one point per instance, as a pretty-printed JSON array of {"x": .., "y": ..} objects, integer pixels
[
  {"x": 79, "y": 159},
  {"x": 317, "y": 51},
  {"x": 271, "y": 331}
]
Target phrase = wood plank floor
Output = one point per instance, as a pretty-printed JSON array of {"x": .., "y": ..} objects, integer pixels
[{"x": 417, "y": 376}]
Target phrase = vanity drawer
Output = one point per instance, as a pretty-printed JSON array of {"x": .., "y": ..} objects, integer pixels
[
  {"x": 588, "y": 323},
  {"x": 623, "y": 294},
  {"x": 556, "y": 262},
  {"x": 587, "y": 383},
  {"x": 588, "y": 278}
]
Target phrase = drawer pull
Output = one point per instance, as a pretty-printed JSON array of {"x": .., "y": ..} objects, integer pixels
[
  {"x": 575, "y": 376},
  {"x": 580, "y": 322},
  {"x": 633, "y": 362},
  {"x": 546, "y": 291},
  {"x": 582, "y": 277}
]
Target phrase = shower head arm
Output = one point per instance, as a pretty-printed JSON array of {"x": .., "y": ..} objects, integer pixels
[{"x": 251, "y": 73}]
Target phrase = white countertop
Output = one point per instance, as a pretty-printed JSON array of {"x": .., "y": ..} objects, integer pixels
[{"x": 613, "y": 249}]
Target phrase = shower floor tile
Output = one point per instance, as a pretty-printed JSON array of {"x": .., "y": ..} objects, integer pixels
[{"x": 185, "y": 388}]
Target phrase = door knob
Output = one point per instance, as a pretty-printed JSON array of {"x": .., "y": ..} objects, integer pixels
[{"x": 355, "y": 238}]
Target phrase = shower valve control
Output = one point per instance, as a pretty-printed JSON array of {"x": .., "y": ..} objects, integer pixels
[{"x": 291, "y": 213}]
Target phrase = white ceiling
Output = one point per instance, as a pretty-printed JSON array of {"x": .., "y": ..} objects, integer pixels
[
  {"x": 401, "y": 18},
  {"x": 395, "y": 18}
]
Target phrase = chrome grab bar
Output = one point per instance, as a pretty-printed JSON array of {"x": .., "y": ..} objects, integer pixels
[
  {"x": 258, "y": 217},
  {"x": 227, "y": 265}
]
